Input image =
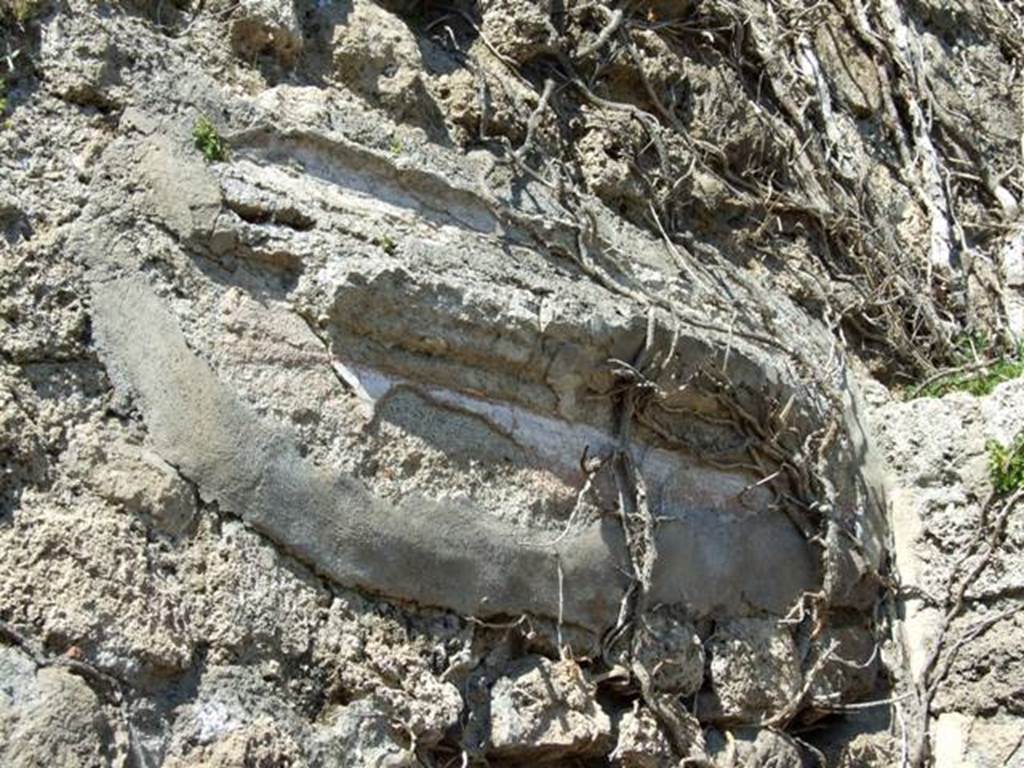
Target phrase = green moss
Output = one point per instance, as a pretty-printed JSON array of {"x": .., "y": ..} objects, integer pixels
[
  {"x": 209, "y": 142},
  {"x": 1006, "y": 464}
]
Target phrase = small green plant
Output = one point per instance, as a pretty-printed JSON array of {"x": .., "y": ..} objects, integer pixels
[
  {"x": 21, "y": 10},
  {"x": 976, "y": 378},
  {"x": 386, "y": 243},
  {"x": 977, "y": 383},
  {"x": 397, "y": 147},
  {"x": 1006, "y": 464},
  {"x": 209, "y": 142},
  {"x": 5, "y": 124}
]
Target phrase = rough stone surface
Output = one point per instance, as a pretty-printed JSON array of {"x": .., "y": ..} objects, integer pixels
[
  {"x": 521, "y": 30},
  {"x": 744, "y": 653},
  {"x": 675, "y": 653},
  {"x": 513, "y": 389},
  {"x": 543, "y": 710},
  {"x": 936, "y": 449},
  {"x": 84, "y": 574},
  {"x": 261, "y": 27},
  {"x": 81, "y": 59},
  {"x": 641, "y": 742},
  {"x": 376, "y": 54},
  {"x": 359, "y": 735},
  {"x": 49, "y": 714},
  {"x": 135, "y": 479},
  {"x": 748, "y": 748}
]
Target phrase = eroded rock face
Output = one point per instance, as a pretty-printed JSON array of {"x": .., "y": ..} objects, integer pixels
[
  {"x": 135, "y": 479},
  {"x": 49, "y": 713},
  {"x": 753, "y": 749},
  {"x": 674, "y": 651},
  {"x": 266, "y": 27},
  {"x": 476, "y": 406},
  {"x": 82, "y": 59},
  {"x": 359, "y": 734},
  {"x": 543, "y": 710},
  {"x": 521, "y": 30},
  {"x": 943, "y": 512},
  {"x": 745, "y": 653},
  {"x": 641, "y": 742}
]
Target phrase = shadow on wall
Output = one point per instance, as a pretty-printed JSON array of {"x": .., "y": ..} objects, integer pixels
[{"x": 869, "y": 482}]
